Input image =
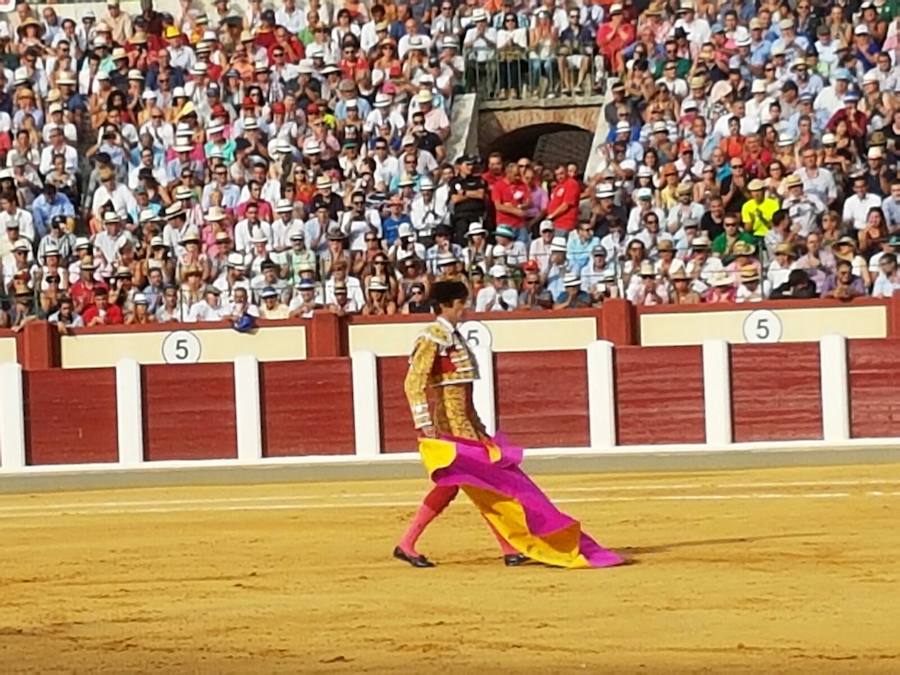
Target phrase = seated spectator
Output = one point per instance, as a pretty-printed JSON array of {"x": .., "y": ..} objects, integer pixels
[
  {"x": 888, "y": 280},
  {"x": 797, "y": 287},
  {"x": 101, "y": 312},
  {"x": 498, "y": 296},
  {"x": 843, "y": 284},
  {"x": 572, "y": 296},
  {"x": 272, "y": 307}
]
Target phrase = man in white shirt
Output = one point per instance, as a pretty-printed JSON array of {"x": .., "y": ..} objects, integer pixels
[
  {"x": 888, "y": 281},
  {"x": 10, "y": 213},
  {"x": 58, "y": 146},
  {"x": 291, "y": 17},
  {"x": 339, "y": 279},
  {"x": 243, "y": 231},
  {"x": 856, "y": 206},
  {"x": 481, "y": 38},
  {"x": 498, "y": 297},
  {"x": 208, "y": 309},
  {"x": 816, "y": 181},
  {"x": 109, "y": 190},
  {"x": 539, "y": 250}
]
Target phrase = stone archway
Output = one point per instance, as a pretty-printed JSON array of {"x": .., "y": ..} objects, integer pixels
[
  {"x": 549, "y": 144},
  {"x": 551, "y": 131}
]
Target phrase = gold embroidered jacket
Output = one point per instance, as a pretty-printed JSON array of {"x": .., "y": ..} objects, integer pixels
[{"x": 442, "y": 361}]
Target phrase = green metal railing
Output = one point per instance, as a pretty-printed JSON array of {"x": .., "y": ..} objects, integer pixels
[{"x": 516, "y": 74}]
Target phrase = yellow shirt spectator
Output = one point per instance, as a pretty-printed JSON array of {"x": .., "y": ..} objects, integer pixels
[{"x": 758, "y": 211}]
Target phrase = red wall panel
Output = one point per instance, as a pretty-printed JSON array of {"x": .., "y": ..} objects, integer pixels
[
  {"x": 874, "y": 403},
  {"x": 775, "y": 392},
  {"x": 397, "y": 432},
  {"x": 307, "y": 407},
  {"x": 542, "y": 398},
  {"x": 70, "y": 416},
  {"x": 189, "y": 411},
  {"x": 659, "y": 395}
]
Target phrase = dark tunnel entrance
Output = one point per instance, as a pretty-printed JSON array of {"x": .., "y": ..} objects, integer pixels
[{"x": 550, "y": 144}]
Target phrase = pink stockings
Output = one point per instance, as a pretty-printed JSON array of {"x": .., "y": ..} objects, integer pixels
[{"x": 432, "y": 505}]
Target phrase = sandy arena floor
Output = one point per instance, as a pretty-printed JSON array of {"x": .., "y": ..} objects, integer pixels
[{"x": 777, "y": 570}]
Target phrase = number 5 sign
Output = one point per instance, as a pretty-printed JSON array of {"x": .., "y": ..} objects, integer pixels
[
  {"x": 476, "y": 334},
  {"x": 181, "y": 346},
  {"x": 762, "y": 326}
]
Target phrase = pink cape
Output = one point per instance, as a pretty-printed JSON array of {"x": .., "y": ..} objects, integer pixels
[{"x": 490, "y": 474}]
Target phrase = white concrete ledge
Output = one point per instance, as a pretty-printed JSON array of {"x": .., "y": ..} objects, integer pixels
[
  {"x": 835, "y": 384},
  {"x": 12, "y": 418},
  {"x": 483, "y": 397},
  {"x": 129, "y": 413},
  {"x": 247, "y": 411},
  {"x": 601, "y": 395},
  {"x": 717, "y": 393},
  {"x": 366, "y": 404}
]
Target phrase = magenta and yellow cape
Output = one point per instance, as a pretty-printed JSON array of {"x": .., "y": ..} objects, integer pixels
[{"x": 490, "y": 475}]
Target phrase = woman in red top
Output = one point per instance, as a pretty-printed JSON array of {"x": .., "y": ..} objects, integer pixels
[{"x": 613, "y": 37}]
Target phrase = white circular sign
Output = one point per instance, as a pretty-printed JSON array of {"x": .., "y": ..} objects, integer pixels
[
  {"x": 762, "y": 326},
  {"x": 181, "y": 346},
  {"x": 476, "y": 334}
]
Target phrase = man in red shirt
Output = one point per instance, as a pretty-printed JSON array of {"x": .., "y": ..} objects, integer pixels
[
  {"x": 84, "y": 290},
  {"x": 857, "y": 122},
  {"x": 101, "y": 313},
  {"x": 511, "y": 199},
  {"x": 494, "y": 169},
  {"x": 563, "y": 207}
]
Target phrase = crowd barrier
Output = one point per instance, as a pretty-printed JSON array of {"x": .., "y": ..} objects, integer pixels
[
  {"x": 40, "y": 346},
  {"x": 599, "y": 398}
]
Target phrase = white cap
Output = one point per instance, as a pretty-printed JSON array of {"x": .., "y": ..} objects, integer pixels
[
  {"x": 546, "y": 226},
  {"x": 558, "y": 245},
  {"x": 498, "y": 271}
]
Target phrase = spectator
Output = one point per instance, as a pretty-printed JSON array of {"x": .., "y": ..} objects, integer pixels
[
  {"x": 101, "y": 312},
  {"x": 572, "y": 296},
  {"x": 498, "y": 297}
]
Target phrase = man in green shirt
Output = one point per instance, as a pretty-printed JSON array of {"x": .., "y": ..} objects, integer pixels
[{"x": 723, "y": 245}]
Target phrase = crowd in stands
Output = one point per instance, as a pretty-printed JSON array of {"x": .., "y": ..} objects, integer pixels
[{"x": 271, "y": 161}]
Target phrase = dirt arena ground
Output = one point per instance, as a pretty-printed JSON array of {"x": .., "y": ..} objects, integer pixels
[{"x": 752, "y": 571}]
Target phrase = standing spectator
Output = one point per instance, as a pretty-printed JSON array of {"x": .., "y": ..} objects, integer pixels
[{"x": 562, "y": 210}]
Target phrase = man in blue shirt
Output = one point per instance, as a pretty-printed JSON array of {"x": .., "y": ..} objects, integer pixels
[{"x": 49, "y": 204}]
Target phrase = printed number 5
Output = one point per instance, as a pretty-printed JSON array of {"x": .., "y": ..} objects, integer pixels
[
  {"x": 762, "y": 329},
  {"x": 181, "y": 349},
  {"x": 472, "y": 337}
]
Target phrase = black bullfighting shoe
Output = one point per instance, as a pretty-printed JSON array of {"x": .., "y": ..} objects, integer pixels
[
  {"x": 414, "y": 560},
  {"x": 515, "y": 560}
]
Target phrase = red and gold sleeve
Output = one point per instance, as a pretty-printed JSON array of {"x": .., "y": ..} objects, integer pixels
[{"x": 416, "y": 383}]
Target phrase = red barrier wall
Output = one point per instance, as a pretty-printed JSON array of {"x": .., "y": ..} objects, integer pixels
[
  {"x": 70, "y": 416},
  {"x": 189, "y": 411},
  {"x": 874, "y": 402},
  {"x": 397, "y": 433},
  {"x": 542, "y": 399},
  {"x": 659, "y": 394},
  {"x": 775, "y": 392},
  {"x": 307, "y": 408}
]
